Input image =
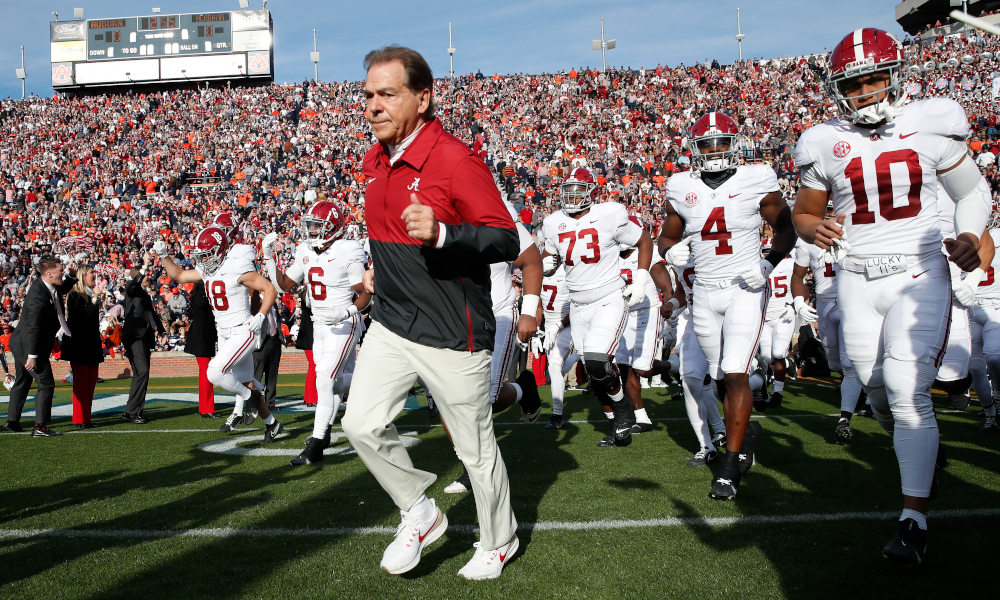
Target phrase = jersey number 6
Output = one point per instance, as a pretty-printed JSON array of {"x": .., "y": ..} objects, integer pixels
[{"x": 317, "y": 289}]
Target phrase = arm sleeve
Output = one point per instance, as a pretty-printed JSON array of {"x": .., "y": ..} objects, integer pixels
[
  {"x": 973, "y": 201},
  {"x": 802, "y": 256},
  {"x": 486, "y": 228},
  {"x": 626, "y": 231}
]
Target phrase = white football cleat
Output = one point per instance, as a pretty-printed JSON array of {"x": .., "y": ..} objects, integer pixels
[
  {"x": 487, "y": 564},
  {"x": 411, "y": 537}
]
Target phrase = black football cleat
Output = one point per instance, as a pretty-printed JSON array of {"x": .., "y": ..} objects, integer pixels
[
  {"x": 231, "y": 423},
  {"x": 555, "y": 422},
  {"x": 13, "y": 426},
  {"x": 727, "y": 478},
  {"x": 607, "y": 442},
  {"x": 909, "y": 544},
  {"x": 865, "y": 411},
  {"x": 719, "y": 440},
  {"x": 990, "y": 426},
  {"x": 530, "y": 402},
  {"x": 843, "y": 432},
  {"x": 703, "y": 457},
  {"x": 775, "y": 401},
  {"x": 271, "y": 431},
  {"x": 748, "y": 452},
  {"x": 641, "y": 428},
  {"x": 432, "y": 409},
  {"x": 312, "y": 454},
  {"x": 326, "y": 437},
  {"x": 760, "y": 394},
  {"x": 959, "y": 402},
  {"x": 252, "y": 407},
  {"x": 621, "y": 425}
]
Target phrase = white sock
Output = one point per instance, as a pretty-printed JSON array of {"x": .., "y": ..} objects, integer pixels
[
  {"x": 324, "y": 415},
  {"x": 518, "y": 392},
  {"x": 609, "y": 415},
  {"x": 912, "y": 514},
  {"x": 269, "y": 420},
  {"x": 422, "y": 510},
  {"x": 619, "y": 396},
  {"x": 779, "y": 386},
  {"x": 641, "y": 417}
]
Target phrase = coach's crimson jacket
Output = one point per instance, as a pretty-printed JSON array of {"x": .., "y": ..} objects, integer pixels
[{"x": 437, "y": 296}]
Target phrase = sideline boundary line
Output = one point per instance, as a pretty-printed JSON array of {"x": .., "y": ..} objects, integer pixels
[{"x": 602, "y": 525}]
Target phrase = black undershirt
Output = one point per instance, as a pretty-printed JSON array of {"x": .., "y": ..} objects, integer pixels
[{"x": 714, "y": 179}]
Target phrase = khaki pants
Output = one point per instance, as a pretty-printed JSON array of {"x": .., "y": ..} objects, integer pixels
[{"x": 387, "y": 368}]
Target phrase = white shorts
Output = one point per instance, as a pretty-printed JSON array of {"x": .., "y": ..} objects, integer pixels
[
  {"x": 728, "y": 321},
  {"x": 955, "y": 364},
  {"x": 638, "y": 346},
  {"x": 235, "y": 354},
  {"x": 775, "y": 339},
  {"x": 597, "y": 327},
  {"x": 564, "y": 340},
  {"x": 831, "y": 334},
  {"x": 693, "y": 361},
  {"x": 904, "y": 316},
  {"x": 985, "y": 327},
  {"x": 504, "y": 346},
  {"x": 335, "y": 346}
]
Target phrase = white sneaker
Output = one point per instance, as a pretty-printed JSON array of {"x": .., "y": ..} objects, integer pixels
[
  {"x": 487, "y": 564},
  {"x": 411, "y": 537},
  {"x": 660, "y": 384},
  {"x": 644, "y": 383}
]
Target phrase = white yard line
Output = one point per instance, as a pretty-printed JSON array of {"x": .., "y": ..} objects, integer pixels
[{"x": 601, "y": 525}]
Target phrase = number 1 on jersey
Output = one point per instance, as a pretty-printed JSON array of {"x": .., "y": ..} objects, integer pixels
[{"x": 717, "y": 218}]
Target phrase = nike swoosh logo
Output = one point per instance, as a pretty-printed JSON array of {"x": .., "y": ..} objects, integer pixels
[
  {"x": 622, "y": 430},
  {"x": 920, "y": 273},
  {"x": 372, "y": 179},
  {"x": 503, "y": 557},
  {"x": 436, "y": 522},
  {"x": 731, "y": 196},
  {"x": 903, "y": 137}
]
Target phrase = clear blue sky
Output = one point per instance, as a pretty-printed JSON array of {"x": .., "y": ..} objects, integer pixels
[{"x": 506, "y": 37}]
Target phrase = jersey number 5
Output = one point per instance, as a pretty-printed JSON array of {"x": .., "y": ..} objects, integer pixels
[
  {"x": 883, "y": 179},
  {"x": 217, "y": 294},
  {"x": 317, "y": 289},
  {"x": 593, "y": 245},
  {"x": 717, "y": 218}
]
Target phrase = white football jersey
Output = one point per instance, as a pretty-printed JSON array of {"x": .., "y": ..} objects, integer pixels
[
  {"x": 588, "y": 246},
  {"x": 824, "y": 273},
  {"x": 555, "y": 296},
  {"x": 326, "y": 274},
  {"x": 946, "y": 223},
  {"x": 229, "y": 298},
  {"x": 781, "y": 288},
  {"x": 501, "y": 287},
  {"x": 885, "y": 179},
  {"x": 244, "y": 250},
  {"x": 630, "y": 264},
  {"x": 989, "y": 287},
  {"x": 686, "y": 276},
  {"x": 724, "y": 223}
]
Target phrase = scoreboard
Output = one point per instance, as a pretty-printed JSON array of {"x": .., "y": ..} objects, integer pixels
[{"x": 234, "y": 45}]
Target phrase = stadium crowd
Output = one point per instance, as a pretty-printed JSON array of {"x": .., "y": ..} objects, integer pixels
[{"x": 114, "y": 169}]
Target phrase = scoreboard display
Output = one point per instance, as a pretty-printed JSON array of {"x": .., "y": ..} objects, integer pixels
[{"x": 230, "y": 45}]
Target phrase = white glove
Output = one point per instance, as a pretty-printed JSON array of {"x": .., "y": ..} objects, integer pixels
[
  {"x": 336, "y": 315},
  {"x": 256, "y": 322},
  {"x": 637, "y": 291},
  {"x": 549, "y": 341},
  {"x": 267, "y": 246},
  {"x": 788, "y": 315},
  {"x": 755, "y": 277},
  {"x": 839, "y": 250},
  {"x": 159, "y": 248},
  {"x": 668, "y": 335},
  {"x": 965, "y": 289},
  {"x": 537, "y": 347},
  {"x": 679, "y": 255},
  {"x": 549, "y": 263},
  {"x": 807, "y": 314}
]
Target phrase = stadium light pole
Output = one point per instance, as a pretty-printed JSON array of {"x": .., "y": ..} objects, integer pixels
[
  {"x": 56, "y": 15},
  {"x": 603, "y": 46},
  {"x": 451, "y": 54},
  {"x": 314, "y": 57},
  {"x": 78, "y": 13},
  {"x": 739, "y": 33},
  {"x": 21, "y": 73}
]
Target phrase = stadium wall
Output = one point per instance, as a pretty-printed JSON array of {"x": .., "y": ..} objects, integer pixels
[{"x": 170, "y": 364}]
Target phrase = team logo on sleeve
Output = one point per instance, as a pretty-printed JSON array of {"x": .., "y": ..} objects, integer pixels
[
  {"x": 691, "y": 199},
  {"x": 841, "y": 149}
]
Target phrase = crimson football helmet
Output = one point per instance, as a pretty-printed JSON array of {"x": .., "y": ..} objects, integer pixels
[
  {"x": 322, "y": 224},
  {"x": 227, "y": 223},
  {"x": 864, "y": 52},
  {"x": 210, "y": 248},
  {"x": 714, "y": 143},
  {"x": 994, "y": 221},
  {"x": 579, "y": 191}
]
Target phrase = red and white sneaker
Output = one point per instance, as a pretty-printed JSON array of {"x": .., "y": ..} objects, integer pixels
[
  {"x": 411, "y": 537},
  {"x": 487, "y": 564}
]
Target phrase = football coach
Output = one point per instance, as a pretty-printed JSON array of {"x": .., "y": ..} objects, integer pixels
[{"x": 436, "y": 222}]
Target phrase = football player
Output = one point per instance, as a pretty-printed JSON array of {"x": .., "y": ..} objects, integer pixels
[
  {"x": 228, "y": 278},
  {"x": 331, "y": 268},
  {"x": 882, "y": 162},
  {"x": 984, "y": 314},
  {"x": 714, "y": 215},
  {"x": 513, "y": 326},
  {"x": 585, "y": 237},
  {"x": 557, "y": 339},
  {"x": 228, "y": 223},
  {"x": 779, "y": 326}
]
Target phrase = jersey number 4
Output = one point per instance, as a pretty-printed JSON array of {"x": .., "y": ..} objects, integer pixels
[
  {"x": 594, "y": 245},
  {"x": 216, "y": 293},
  {"x": 717, "y": 220},
  {"x": 883, "y": 179}
]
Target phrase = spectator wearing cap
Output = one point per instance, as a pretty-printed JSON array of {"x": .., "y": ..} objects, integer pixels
[
  {"x": 200, "y": 342},
  {"x": 83, "y": 349}
]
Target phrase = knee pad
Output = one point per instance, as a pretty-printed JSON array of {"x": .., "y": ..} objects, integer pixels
[
  {"x": 908, "y": 385},
  {"x": 601, "y": 370},
  {"x": 213, "y": 373}
]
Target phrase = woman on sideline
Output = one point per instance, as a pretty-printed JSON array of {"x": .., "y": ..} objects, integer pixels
[
  {"x": 200, "y": 342},
  {"x": 83, "y": 348}
]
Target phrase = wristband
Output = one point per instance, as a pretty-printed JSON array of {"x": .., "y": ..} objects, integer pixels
[
  {"x": 674, "y": 302},
  {"x": 974, "y": 277},
  {"x": 352, "y": 310},
  {"x": 529, "y": 305}
]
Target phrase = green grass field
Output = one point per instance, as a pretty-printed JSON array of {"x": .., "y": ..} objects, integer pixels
[{"x": 255, "y": 527}]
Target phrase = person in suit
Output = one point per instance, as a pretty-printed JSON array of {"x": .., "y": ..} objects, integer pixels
[
  {"x": 201, "y": 340},
  {"x": 267, "y": 358},
  {"x": 31, "y": 343},
  {"x": 83, "y": 348},
  {"x": 142, "y": 324},
  {"x": 304, "y": 342}
]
